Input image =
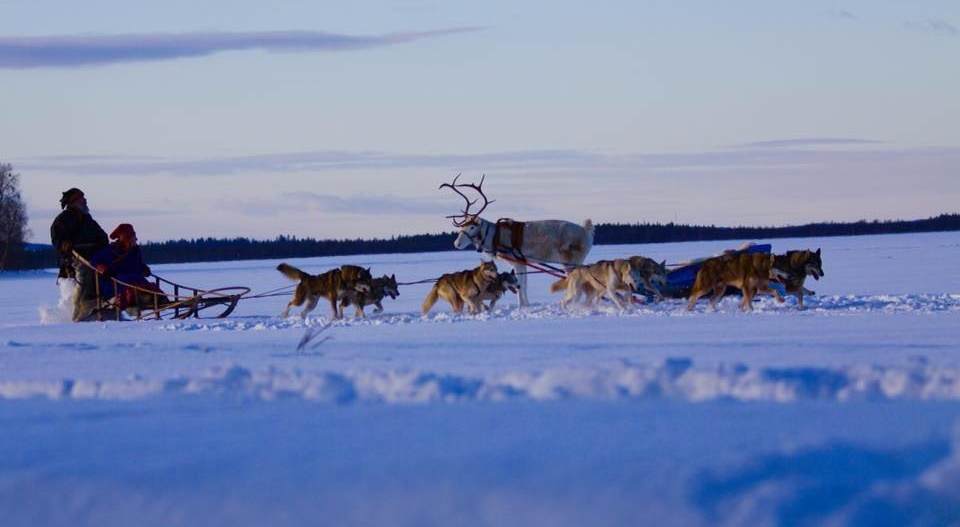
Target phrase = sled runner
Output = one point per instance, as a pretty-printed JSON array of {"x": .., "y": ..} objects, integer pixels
[{"x": 160, "y": 299}]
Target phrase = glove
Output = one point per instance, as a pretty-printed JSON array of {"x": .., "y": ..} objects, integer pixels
[
  {"x": 102, "y": 269},
  {"x": 147, "y": 271},
  {"x": 66, "y": 247}
]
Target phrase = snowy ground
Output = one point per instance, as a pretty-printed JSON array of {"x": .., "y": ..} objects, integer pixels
[{"x": 843, "y": 414}]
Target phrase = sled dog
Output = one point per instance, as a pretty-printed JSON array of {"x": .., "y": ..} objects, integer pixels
[
  {"x": 652, "y": 275},
  {"x": 593, "y": 280},
  {"x": 795, "y": 266},
  {"x": 504, "y": 282},
  {"x": 333, "y": 285},
  {"x": 749, "y": 272},
  {"x": 379, "y": 288},
  {"x": 463, "y": 287}
]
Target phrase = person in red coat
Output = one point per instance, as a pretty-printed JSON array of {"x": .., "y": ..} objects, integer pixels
[{"x": 123, "y": 260}]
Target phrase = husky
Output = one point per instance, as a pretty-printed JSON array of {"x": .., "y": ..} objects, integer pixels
[
  {"x": 463, "y": 287},
  {"x": 333, "y": 285},
  {"x": 505, "y": 282},
  {"x": 591, "y": 281},
  {"x": 795, "y": 266},
  {"x": 379, "y": 288},
  {"x": 653, "y": 275},
  {"x": 749, "y": 272}
]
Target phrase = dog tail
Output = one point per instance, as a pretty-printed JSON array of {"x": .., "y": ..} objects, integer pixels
[
  {"x": 559, "y": 285},
  {"x": 431, "y": 299},
  {"x": 291, "y": 272}
]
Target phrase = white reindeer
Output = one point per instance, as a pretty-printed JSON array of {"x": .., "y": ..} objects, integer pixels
[{"x": 552, "y": 242}]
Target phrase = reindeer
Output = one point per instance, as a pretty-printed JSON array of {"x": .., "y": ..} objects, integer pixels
[{"x": 516, "y": 242}]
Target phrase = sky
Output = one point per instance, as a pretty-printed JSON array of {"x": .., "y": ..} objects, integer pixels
[{"x": 342, "y": 119}]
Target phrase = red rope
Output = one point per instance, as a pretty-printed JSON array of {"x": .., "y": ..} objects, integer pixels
[{"x": 543, "y": 269}]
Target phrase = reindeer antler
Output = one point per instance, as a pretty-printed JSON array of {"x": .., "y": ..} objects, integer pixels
[{"x": 465, "y": 214}]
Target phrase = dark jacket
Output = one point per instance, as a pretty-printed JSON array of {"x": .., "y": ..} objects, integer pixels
[{"x": 81, "y": 230}]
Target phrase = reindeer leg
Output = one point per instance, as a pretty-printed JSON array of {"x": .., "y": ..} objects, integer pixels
[{"x": 522, "y": 279}]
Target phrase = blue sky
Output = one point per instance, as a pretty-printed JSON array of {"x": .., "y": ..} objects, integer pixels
[{"x": 341, "y": 119}]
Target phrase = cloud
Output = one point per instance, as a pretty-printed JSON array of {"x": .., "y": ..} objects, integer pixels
[
  {"x": 937, "y": 27},
  {"x": 841, "y": 14},
  {"x": 757, "y": 156},
  {"x": 101, "y": 50},
  {"x": 317, "y": 161},
  {"x": 812, "y": 141}
]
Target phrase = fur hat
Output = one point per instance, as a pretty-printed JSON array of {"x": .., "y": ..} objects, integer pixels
[
  {"x": 124, "y": 230},
  {"x": 69, "y": 196}
]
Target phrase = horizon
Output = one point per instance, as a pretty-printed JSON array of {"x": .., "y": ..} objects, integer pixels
[
  {"x": 453, "y": 232},
  {"x": 341, "y": 121}
]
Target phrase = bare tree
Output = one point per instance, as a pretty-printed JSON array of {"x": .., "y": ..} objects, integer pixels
[{"x": 13, "y": 214}]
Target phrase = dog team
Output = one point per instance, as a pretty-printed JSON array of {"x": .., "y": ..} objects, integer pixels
[{"x": 480, "y": 288}]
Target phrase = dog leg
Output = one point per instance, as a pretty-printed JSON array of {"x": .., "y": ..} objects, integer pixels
[
  {"x": 719, "y": 291},
  {"x": 334, "y": 308},
  {"x": 772, "y": 289},
  {"x": 802, "y": 291},
  {"x": 379, "y": 307},
  {"x": 474, "y": 306},
  {"x": 747, "y": 303},
  {"x": 298, "y": 298},
  {"x": 568, "y": 294},
  {"x": 612, "y": 293},
  {"x": 694, "y": 296},
  {"x": 311, "y": 303}
]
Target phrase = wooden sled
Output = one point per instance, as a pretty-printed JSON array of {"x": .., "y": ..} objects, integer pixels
[{"x": 177, "y": 302}]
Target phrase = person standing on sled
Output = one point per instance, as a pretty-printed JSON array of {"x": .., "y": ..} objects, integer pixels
[
  {"x": 74, "y": 229},
  {"x": 123, "y": 260}
]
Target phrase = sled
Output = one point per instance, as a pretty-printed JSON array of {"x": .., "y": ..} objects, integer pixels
[
  {"x": 162, "y": 299},
  {"x": 680, "y": 279}
]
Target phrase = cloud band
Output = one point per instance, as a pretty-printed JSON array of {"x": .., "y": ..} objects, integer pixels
[{"x": 101, "y": 50}]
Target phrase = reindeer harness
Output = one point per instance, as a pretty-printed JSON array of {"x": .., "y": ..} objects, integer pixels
[
  {"x": 488, "y": 237},
  {"x": 516, "y": 237}
]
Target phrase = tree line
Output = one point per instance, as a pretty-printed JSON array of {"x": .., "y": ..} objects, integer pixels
[
  {"x": 216, "y": 249},
  {"x": 15, "y": 254}
]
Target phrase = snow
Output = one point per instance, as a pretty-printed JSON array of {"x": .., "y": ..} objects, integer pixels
[{"x": 845, "y": 413}]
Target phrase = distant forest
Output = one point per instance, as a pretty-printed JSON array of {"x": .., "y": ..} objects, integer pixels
[{"x": 213, "y": 249}]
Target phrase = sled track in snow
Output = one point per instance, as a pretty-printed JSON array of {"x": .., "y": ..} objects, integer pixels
[
  {"x": 676, "y": 379},
  {"x": 814, "y": 306}
]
